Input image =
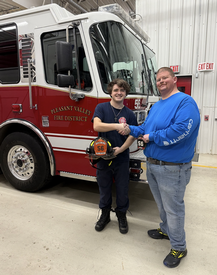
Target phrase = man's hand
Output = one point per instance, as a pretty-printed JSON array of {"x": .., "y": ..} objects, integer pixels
[
  {"x": 120, "y": 126},
  {"x": 100, "y": 126},
  {"x": 127, "y": 143},
  {"x": 146, "y": 138},
  {"x": 125, "y": 130},
  {"x": 117, "y": 150}
]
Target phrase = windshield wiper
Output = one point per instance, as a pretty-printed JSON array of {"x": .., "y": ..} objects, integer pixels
[
  {"x": 155, "y": 85},
  {"x": 147, "y": 78}
]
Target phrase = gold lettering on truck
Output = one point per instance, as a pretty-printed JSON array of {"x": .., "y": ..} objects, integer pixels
[{"x": 70, "y": 108}]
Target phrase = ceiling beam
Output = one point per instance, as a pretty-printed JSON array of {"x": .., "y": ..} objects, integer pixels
[{"x": 71, "y": 2}]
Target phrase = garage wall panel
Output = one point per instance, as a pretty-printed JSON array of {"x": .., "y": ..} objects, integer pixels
[
  {"x": 210, "y": 56},
  {"x": 176, "y": 33},
  {"x": 197, "y": 56},
  {"x": 164, "y": 34},
  {"x": 187, "y": 42},
  {"x": 206, "y": 131}
]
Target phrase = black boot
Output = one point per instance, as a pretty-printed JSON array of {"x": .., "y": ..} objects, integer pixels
[
  {"x": 103, "y": 220},
  {"x": 122, "y": 220}
]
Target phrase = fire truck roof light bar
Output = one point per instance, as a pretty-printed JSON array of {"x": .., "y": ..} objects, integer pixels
[{"x": 119, "y": 11}]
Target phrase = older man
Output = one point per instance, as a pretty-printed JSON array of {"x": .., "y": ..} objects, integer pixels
[{"x": 170, "y": 132}]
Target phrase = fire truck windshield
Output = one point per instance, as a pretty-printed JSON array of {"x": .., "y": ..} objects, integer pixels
[{"x": 121, "y": 54}]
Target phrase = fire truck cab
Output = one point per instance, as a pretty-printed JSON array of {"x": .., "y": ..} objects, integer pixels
[{"x": 54, "y": 70}]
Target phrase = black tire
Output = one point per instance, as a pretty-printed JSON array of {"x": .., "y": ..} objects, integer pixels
[{"x": 24, "y": 162}]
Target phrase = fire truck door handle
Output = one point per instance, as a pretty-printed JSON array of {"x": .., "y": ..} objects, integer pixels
[{"x": 76, "y": 97}]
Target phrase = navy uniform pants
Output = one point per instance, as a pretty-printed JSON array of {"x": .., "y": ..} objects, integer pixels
[{"x": 106, "y": 175}]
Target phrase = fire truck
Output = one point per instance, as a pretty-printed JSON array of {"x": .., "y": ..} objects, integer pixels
[{"x": 54, "y": 70}]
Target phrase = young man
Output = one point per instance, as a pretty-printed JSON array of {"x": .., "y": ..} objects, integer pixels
[
  {"x": 170, "y": 131},
  {"x": 108, "y": 119}
]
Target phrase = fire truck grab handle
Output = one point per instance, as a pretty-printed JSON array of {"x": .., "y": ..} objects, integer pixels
[{"x": 30, "y": 84}]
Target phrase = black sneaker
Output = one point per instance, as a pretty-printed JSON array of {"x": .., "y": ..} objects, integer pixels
[
  {"x": 157, "y": 234},
  {"x": 103, "y": 220},
  {"x": 174, "y": 257},
  {"x": 122, "y": 220}
]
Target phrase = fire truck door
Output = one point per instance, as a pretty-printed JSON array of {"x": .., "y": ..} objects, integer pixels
[
  {"x": 69, "y": 126},
  {"x": 184, "y": 84}
]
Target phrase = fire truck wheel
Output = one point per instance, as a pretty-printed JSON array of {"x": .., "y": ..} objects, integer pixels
[{"x": 24, "y": 162}]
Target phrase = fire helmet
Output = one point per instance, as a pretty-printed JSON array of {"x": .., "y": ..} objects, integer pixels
[
  {"x": 100, "y": 148},
  {"x": 140, "y": 142}
]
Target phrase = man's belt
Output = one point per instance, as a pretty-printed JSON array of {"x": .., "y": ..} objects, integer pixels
[{"x": 160, "y": 162}]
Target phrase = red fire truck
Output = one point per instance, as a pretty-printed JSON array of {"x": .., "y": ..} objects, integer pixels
[{"x": 54, "y": 70}]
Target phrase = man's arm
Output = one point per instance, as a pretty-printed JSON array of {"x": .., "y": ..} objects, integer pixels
[
  {"x": 100, "y": 126},
  {"x": 126, "y": 145},
  {"x": 187, "y": 119}
]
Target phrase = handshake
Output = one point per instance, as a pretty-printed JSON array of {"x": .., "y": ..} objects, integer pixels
[{"x": 123, "y": 129}]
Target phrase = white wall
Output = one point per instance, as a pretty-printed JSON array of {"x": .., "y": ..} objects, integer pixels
[{"x": 184, "y": 32}]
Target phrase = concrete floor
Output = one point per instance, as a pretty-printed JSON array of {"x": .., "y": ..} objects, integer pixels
[{"x": 52, "y": 231}]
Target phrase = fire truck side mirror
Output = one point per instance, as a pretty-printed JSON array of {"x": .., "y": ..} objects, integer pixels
[
  {"x": 65, "y": 80},
  {"x": 63, "y": 56}
]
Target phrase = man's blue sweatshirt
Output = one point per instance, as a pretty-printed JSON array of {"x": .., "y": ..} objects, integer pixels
[{"x": 172, "y": 125}]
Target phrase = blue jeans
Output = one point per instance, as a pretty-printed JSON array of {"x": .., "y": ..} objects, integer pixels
[{"x": 168, "y": 184}]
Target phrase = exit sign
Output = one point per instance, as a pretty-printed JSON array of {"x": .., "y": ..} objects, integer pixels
[
  {"x": 205, "y": 66},
  {"x": 175, "y": 68}
]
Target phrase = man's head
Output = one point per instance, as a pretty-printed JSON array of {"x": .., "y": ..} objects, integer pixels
[
  {"x": 167, "y": 69},
  {"x": 166, "y": 82},
  {"x": 120, "y": 83}
]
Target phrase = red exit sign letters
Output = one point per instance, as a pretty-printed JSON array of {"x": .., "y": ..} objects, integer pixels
[
  {"x": 205, "y": 66},
  {"x": 175, "y": 68}
]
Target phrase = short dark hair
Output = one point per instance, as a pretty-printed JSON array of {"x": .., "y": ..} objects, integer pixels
[
  {"x": 121, "y": 83},
  {"x": 166, "y": 69}
]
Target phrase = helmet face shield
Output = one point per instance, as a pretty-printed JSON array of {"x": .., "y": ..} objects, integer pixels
[{"x": 100, "y": 148}]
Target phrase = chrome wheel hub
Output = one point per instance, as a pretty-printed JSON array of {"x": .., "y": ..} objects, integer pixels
[{"x": 21, "y": 162}]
